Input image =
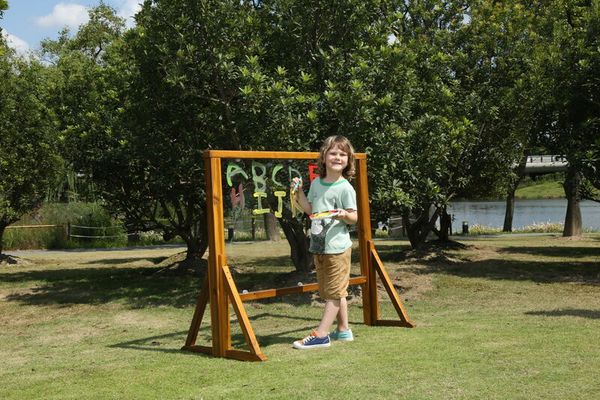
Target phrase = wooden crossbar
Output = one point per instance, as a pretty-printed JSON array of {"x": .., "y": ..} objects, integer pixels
[
  {"x": 309, "y": 287},
  {"x": 270, "y": 155}
]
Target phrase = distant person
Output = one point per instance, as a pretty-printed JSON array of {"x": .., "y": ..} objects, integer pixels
[{"x": 331, "y": 203}]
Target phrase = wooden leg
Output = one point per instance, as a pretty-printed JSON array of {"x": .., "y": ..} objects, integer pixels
[
  {"x": 389, "y": 287},
  {"x": 373, "y": 295},
  {"x": 198, "y": 314}
]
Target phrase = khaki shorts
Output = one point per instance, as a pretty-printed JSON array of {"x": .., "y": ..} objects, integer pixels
[{"x": 333, "y": 274}]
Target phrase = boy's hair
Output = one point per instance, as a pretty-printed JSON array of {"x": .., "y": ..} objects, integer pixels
[{"x": 344, "y": 144}]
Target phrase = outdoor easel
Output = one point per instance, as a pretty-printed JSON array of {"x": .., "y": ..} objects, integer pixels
[{"x": 219, "y": 288}]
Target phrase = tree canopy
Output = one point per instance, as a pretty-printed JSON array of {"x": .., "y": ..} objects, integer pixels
[
  {"x": 445, "y": 96},
  {"x": 566, "y": 64},
  {"x": 29, "y": 161}
]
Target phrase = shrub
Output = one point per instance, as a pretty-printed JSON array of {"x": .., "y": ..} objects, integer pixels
[{"x": 61, "y": 214}]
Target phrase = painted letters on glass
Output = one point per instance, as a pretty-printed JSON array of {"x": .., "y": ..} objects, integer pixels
[{"x": 259, "y": 173}]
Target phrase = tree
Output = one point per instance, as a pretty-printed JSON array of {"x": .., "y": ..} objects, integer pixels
[
  {"x": 29, "y": 161},
  {"x": 494, "y": 67},
  {"x": 3, "y": 7},
  {"x": 591, "y": 190},
  {"x": 328, "y": 69},
  {"x": 429, "y": 121},
  {"x": 454, "y": 142},
  {"x": 83, "y": 97},
  {"x": 567, "y": 63},
  {"x": 139, "y": 109},
  {"x": 275, "y": 75},
  {"x": 127, "y": 127}
]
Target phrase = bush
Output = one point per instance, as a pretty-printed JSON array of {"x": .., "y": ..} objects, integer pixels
[
  {"x": 543, "y": 227},
  {"x": 62, "y": 214},
  {"x": 85, "y": 219},
  {"x": 477, "y": 229},
  {"x": 537, "y": 227},
  {"x": 34, "y": 238}
]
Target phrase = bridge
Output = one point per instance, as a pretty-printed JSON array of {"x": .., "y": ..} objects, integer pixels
[{"x": 543, "y": 164}]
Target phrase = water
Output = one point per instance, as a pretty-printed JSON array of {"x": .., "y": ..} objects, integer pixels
[{"x": 527, "y": 212}]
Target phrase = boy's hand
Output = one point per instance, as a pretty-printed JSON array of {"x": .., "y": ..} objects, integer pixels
[
  {"x": 341, "y": 214},
  {"x": 295, "y": 185},
  {"x": 349, "y": 217}
]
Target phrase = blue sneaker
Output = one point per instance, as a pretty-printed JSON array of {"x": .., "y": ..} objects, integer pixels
[
  {"x": 344, "y": 336},
  {"x": 312, "y": 341}
]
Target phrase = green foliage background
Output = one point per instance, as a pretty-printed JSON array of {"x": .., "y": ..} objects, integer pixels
[{"x": 446, "y": 97}]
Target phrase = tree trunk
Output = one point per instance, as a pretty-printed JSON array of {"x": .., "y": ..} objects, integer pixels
[
  {"x": 572, "y": 185},
  {"x": 418, "y": 231},
  {"x": 196, "y": 240},
  {"x": 272, "y": 227},
  {"x": 445, "y": 225},
  {"x": 509, "y": 211},
  {"x": 299, "y": 243},
  {"x": 2, "y": 229},
  {"x": 196, "y": 247},
  {"x": 410, "y": 230},
  {"x": 510, "y": 196},
  {"x": 296, "y": 236}
]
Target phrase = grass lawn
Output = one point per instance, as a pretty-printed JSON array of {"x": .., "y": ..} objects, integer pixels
[
  {"x": 505, "y": 318},
  {"x": 541, "y": 190}
]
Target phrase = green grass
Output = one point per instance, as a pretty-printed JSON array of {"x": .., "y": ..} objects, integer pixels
[
  {"x": 505, "y": 318},
  {"x": 541, "y": 190}
]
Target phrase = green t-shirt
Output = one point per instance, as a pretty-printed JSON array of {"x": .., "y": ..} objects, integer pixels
[{"x": 330, "y": 236}]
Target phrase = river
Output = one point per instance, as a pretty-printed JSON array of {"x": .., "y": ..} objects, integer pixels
[{"x": 527, "y": 212}]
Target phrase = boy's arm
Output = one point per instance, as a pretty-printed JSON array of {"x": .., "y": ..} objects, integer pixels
[
  {"x": 300, "y": 197},
  {"x": 349, "y": 216}
]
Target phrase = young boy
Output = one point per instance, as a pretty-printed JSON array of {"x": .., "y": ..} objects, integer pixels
[{"x": 329, "y": 239}]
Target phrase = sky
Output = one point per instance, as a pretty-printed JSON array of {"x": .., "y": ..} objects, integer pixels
[{"x": 27, "y": 22}]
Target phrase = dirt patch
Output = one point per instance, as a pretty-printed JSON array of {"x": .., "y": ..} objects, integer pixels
[
  {"x": 570, "y": 238},
  {"x": 178, "y": 265},
  {"x": 411, "y": 281},
  {"x": 436, "y": 252},
  {"x": 480, "y": 253},
  {"x": 128, "y": 319}
]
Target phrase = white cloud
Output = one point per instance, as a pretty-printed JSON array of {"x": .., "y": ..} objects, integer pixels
[
  {"x": 71, "y": 15},
  {"x": 128, "y": 9},
  {"x": 14, "y": 42}
]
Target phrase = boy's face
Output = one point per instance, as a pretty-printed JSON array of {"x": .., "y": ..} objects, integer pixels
[{"x": 336, "y": 160}]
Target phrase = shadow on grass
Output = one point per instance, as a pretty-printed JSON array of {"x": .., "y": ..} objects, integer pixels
[
  {"x": 536, "y": 271},
  {"x": 117, "y": 261},
  {"x": 140, "y": 287},
  {"x": 153, "y": 343},
  {"x": 591, "y": 314},
  {"x": 278, "y": 337},
  {"x": 548, "y": 251},
  {"x": 540, "y": 270},
  {"x": 257, "y": 262},
  {"x": 135, "y": 287}
]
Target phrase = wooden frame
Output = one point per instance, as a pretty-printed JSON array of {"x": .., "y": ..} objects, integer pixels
[{"x": 219, "y": 287}]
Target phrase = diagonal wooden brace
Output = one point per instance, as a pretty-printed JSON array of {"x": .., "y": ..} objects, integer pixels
[
  {"x": 255, "y": 354},
  {"x": 392, "y": 293}
]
